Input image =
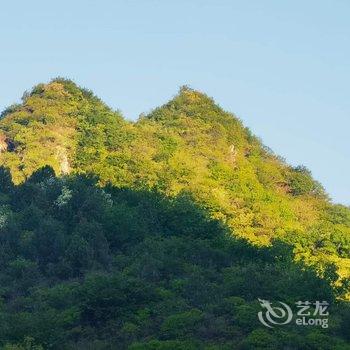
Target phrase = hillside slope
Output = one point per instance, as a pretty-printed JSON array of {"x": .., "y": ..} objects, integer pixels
[
  {"x": 83, "y": 267},
  {"x": 189, "y": 144},
  {"x": 160, "y": 234}
]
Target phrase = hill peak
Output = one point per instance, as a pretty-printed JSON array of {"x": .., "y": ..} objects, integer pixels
[
  {"x": 191, "y": 103},
  {"x": 45, "y": 128}
]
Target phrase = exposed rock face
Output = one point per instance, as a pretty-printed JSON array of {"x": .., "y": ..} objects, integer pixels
[
  {"x": 63, "y": 160},
  {"x": 3, "y": 143},
  {"x": 6, "y": 144},
  {"x": 233, "y": 153}
]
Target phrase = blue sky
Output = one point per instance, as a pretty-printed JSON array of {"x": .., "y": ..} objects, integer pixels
[{"x": 282, "y": 66}]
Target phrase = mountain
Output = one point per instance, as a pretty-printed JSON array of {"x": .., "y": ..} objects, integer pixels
[
  {"x": 190, "y": 144},
  {"x": 160, "y": 233}
]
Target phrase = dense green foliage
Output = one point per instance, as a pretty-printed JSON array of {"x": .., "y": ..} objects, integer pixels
[
  {"x": 164, "y": 233},
  {"x": 189, "y": 144},
  {"x": 84, "y": 267}
]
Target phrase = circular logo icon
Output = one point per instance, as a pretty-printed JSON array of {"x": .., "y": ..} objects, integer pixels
[{"x": 274, "y": 315}]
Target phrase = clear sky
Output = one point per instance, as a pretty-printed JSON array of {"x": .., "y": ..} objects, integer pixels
[{"x": 282, "y": 66}]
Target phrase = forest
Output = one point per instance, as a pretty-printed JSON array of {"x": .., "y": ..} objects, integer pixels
[{"x": 161, "y": 233}]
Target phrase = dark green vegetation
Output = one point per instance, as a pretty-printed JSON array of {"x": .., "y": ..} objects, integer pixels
[
  {"x": 159, "y": 234},
  {"x": 85, "y": 267}
]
